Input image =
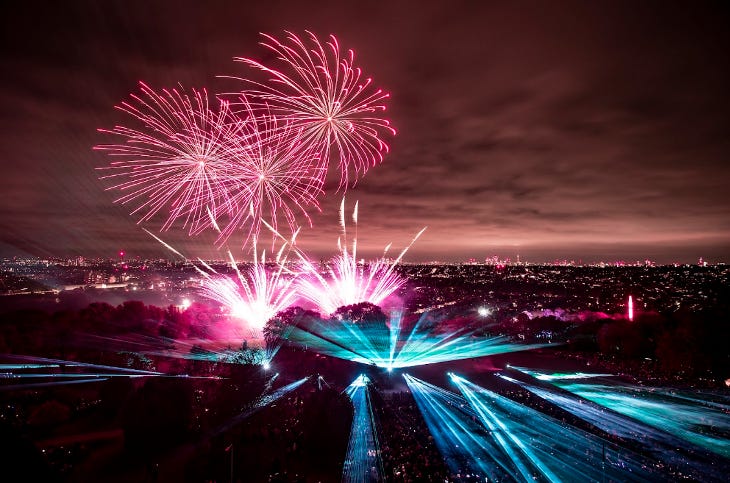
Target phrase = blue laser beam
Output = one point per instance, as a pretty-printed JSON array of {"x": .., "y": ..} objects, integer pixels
[
  {"x": 687, "y": 459},
  {"x": 260, "y": 403},
  {"x": 389, "y": 346},
  {"x": 363, "y": 462},
  {"x": 465, "y": 445},
  {"x": 545, "y": 449},
  {"x": 674, "y": 412}
]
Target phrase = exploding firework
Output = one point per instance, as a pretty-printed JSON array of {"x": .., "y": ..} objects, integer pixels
[
  {"x": 321, "y": 91},
  {"x": 273, "y": 174},
  {"x": 255, "y": 294},
  {"x": 348, "y": 282},
  {"x": 212, "y": 168},
  {"x": 178, "y": 162}
]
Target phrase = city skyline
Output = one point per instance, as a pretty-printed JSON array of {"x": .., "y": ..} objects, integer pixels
[{"x": 586, "y": 132}]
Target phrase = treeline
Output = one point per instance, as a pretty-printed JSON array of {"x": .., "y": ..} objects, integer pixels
[
  {"x": 58, "y": 333},
  {"x": 681, "y": 345}
]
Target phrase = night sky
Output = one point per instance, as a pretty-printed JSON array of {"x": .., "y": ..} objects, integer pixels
[{"x": 553, "y": 130}]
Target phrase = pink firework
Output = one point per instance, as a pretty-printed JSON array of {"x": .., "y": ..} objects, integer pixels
[
  {"x": 254, "y": 295},
  {"x": 321, "y": 92},
  {"x": 272, "y": 175},
  {"x": 212, "y": 168},
  {"x": 177, "y": 162},
  {"x": 348, "y": 282}
]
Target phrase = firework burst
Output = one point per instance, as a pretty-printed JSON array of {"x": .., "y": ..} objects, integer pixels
[
  {"x": 254, "y": 295},
  {"x": 178, "y": 162},
  {"x": 272, "y": 175},
  {"x": 348, "y": 282},
  {"x": 212, "y": 169},
  {"x": 320, "y": 91}
]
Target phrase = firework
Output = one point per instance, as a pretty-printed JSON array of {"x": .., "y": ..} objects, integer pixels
[
  {"x": 178, "y": 161},
  {"x": 348, "y": 282},
  {"x": 254, "y": 295},
  {"x": 321, "y": 91},
  {"x": 211, "y": 169},
  {"x": 271, "y": 175}
]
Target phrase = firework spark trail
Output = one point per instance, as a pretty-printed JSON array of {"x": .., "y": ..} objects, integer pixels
[
  {"x": 178, "y": 160},
  {"x": 274, "y": 172},
  {"x": 348, "y": 282},
  {"x": 321, "y": 92}
]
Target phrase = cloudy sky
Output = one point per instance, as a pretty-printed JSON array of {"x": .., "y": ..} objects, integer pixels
[{"x": 578, "y": 130}]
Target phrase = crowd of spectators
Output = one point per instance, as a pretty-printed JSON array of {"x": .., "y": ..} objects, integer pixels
[{"x": 408, "y": 451}]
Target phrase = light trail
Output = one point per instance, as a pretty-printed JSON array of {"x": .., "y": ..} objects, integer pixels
[
  {"x": 347, "y": 280},
  {"x": 464, "y": 444},
  {"x": 65, "y": 363},
  {"x": 557, "y": 376},
  {"x": 689, "y": 416},
  {"x": 631, "y": 308},
  {"x": 363, "y": 462},
  {"x": 256, "y": 293},
  {"x": 62, "y": 372},
  {"x": 389, "y": 346},
  {"x": 693, "y": 421},
  {"x": 662, "y": 444},
  {"x": 260, "y": 403},
  {"x": 544, "y": 449}
]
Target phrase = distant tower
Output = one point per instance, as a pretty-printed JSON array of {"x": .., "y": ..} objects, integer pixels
[{"x": 631, "y": 308}]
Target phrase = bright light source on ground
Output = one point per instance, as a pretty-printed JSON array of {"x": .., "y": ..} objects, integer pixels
[
  {"x": 185, "y": 304},
  {"x": 266, "y": 366},
  {"x": 484, "y": 311}
]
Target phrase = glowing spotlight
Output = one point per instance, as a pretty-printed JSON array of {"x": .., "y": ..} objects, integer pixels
[
  {"x": 266, "y": 366},
  {"x": 484, "y": 312},
  {"x": 185, "y": 304}
]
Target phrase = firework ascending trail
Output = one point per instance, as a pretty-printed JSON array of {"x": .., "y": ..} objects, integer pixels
[
  {"x": 320, "y": 91},
  {"x": 347, "y": 281}
]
